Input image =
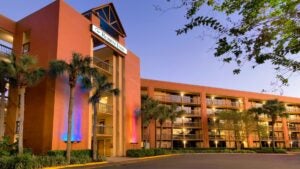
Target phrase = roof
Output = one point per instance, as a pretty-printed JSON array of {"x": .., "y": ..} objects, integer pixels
[{"x": 109, "y": 14}]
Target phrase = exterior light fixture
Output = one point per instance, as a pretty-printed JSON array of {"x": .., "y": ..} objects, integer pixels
[
  {"x": 214, "y": 119},
  {"x": 216, "y": 143},
  {"x": 181, "y": 94},
  {"x": 212, "y": 97}
]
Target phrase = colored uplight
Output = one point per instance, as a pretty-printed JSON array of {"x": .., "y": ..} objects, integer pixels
[{"x": 76, "y": 135}]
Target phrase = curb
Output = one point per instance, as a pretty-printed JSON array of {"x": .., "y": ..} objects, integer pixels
[
  {"x": 106, "y": 163},
  {"x": 77, "y": 165}
]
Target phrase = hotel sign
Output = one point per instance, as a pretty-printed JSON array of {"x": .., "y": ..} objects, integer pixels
[{"x": 109, "y": 39}]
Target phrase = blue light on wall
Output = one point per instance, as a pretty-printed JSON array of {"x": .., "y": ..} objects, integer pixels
[{"x": 76, "y": 135}]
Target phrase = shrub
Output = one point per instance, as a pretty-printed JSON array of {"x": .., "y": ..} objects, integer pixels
[
  {"x": 19, "y": 162},
  {"x": 270, "y": 150}
]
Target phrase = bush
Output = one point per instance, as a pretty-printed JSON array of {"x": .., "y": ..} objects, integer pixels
[
  {"x": 19, "y": 162},
  {"x": 270, "y": 150}
]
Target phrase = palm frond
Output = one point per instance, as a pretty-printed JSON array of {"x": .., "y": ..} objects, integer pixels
[{"x": 58, "y": 67}]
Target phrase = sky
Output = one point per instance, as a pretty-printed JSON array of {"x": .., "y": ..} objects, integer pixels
[{"x": 164, "y": 55}]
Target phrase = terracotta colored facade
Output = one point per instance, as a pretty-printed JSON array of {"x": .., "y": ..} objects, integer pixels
[
  {"x": 197, "y": 128},
  {"x": 54, "y": 33}
]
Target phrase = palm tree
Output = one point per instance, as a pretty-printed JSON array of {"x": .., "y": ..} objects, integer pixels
[
  {"x": 162, "y": 116},
  {"x": 149, "y": 113},
  {"x": 23, "y": 74},
  {"x": 101, "y": 86},
  {"x": 79, "y": 67},
  {"x": 274, "y": 109},
  {"x": 174, "y": 113},
  {"x": 6, "y": 70}
]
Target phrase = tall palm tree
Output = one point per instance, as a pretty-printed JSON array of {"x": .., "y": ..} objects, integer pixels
[
  {"x": 274, "y": 109},
  {"x": 79, "y": 67},
  {"x": 23, "y": 73},
  {"x": 162, "y": 116},
  {"x": 101, "y": 87},
  {"x": 174, "y": 113},
  {"x": 149, "y": 109},
  {"x": 6, "y": 70}
]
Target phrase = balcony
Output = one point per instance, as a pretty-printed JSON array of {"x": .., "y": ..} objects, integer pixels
[
  {"x": 224, "y": 103},
  {"x": 177, "y": 99},
  {"x": 294, "y": 120},
  {"x": 221, "y": 137},
  {"x": 293, "y": 109},
  {"x": 5, "y": 51},
  {"x": 104, "y": 109},
  {"x": 275, "y": 128},
  {"x": 188, "y": 124},
  {"x": 294, "y": 128},
  {"x": 102, "y": 65},
  {"x": 187, "y": 137},
  {"x": 104, "y": 131},
  {"x": 277, "y": 138},
  {"x": 193, "y": 113}
]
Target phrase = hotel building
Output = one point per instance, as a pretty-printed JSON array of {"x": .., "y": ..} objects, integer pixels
[
  {"x": 58, "y": 30},
  {"x": 55, "y": 32},
  {"x": 199, "y": 126}
]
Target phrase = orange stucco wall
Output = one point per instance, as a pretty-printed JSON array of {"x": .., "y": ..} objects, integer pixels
[
  {"x": 132, "y": 102},
  {"x": 73, "y": 36},
  {"x": 7, "y": 24},
  {"x": 42, "y": 26}
]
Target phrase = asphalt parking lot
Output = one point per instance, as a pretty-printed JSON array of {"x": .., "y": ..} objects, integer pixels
[{"x": 216, "y": 161}]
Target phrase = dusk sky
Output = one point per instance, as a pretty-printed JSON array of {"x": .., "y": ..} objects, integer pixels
[{"x": 164, "y": 55}]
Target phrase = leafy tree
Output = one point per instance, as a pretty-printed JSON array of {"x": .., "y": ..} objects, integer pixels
[
  {"x": 252, "y": 31},
  {"x": 273, "y": 109},
  {"x": 232, "y": 122},
  {"x": 149, "y": 113},
  {"x": 249, "y": 124},
  {"x": 174, "y": 113},
  {"x": 78, "y": 68},
  {"x": 22, "y": 72},
  {"x": 6, "y": 70},
  {"x": 162, "y": 116},
  {"x": 101, "y": 87}
]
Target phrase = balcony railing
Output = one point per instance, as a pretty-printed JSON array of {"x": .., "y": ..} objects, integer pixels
[
  {"x": 105, "y": 109},
  {"x": 275, "y": 128},
  {"x": 221, "y": 137},
  {"x": 187, "y": 137},
  {"x": 5, "y": 50},
  {"x": 294, "y": 120},
  {"x": 224, "y": 103},
  {"x": 277, "y": 138},
  {"x": 187, "y": 124},
  {"x": 294, "y": 128},
  {"x": 103, "y": 65},
  {"x": 293, "y": 109},
  {"x": 104, "y": 130},
  {"x": 193, "y": 113},
  {"x": 177, "y": 99}
]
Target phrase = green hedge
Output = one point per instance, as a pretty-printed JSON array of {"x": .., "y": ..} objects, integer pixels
[
  {"x": 155, "y": 152},
  {"x": 53, "y": 158}
]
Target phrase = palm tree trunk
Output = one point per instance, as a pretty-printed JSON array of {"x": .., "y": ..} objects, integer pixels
[
  {"x": 172, "y": 126},
  {"x": 160, "y": 135},
  {"x": 2, "y": 113},
  {"x": 95, "y": 157},
  {"x": 70, "y": 114},
  {"x": 21, "y": 91},
  {"x": 273, "y": 136}
]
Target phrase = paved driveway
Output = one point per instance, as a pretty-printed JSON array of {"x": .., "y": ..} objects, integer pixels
[{"x": 217, "y": 161}]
